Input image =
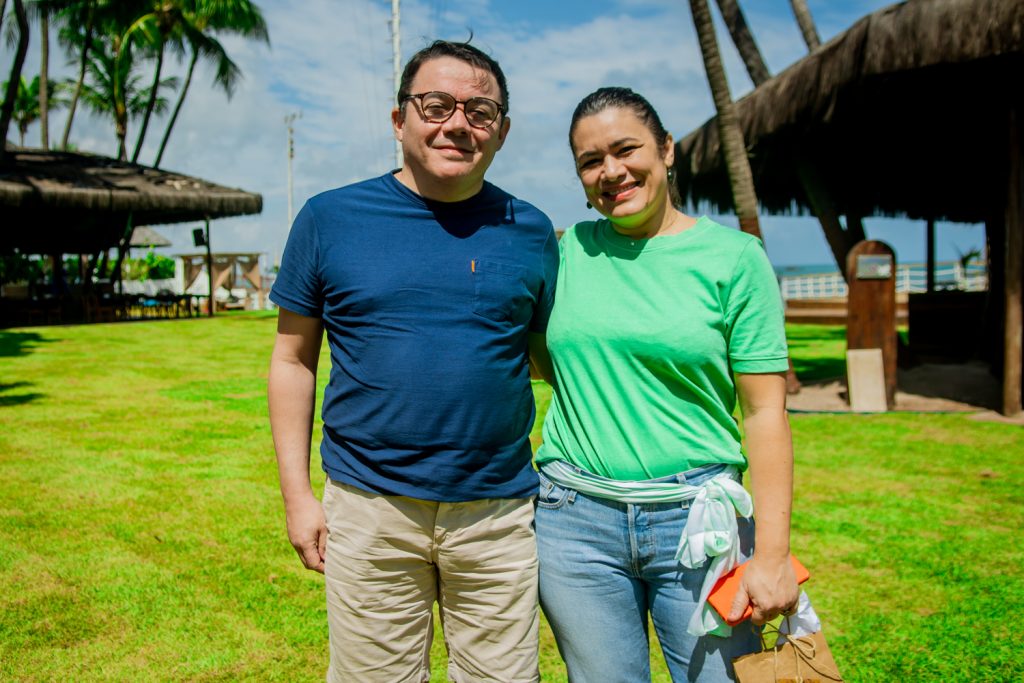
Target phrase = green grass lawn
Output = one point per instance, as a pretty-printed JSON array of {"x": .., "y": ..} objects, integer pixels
[{"x": 142, "y": 533}]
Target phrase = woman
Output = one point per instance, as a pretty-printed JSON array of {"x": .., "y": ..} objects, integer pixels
[{"x": 661, "y": 322}]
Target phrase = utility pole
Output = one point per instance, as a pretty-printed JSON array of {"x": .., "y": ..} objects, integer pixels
[
  {"x": 396, "y": 59},
  {"x": 289, "y": 121}
]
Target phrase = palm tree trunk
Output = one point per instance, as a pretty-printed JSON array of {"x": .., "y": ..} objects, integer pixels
[
  {"x": 7, "y": 110},
  {"x": 741, "y": 179},
  {"x": 806, "y": 23},
  {"x": 150, "y": 104},
  {"x": 44, "y": 78},
  {"x": 840, "y": 240},
  {"x": 740, "y": 176},
  {"x": 177, "y": 108},
  {"x": 83, "y": 63},
  {"x": 119, "y": 105},
  {"x": 744, "y": 41}
]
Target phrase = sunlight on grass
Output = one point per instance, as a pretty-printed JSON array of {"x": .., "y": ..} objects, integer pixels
[{"x": 142, "y": 534}]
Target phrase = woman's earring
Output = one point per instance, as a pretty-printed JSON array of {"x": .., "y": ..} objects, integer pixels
[
  {"x": 589, "y": 205},
  {"x": 671, "y": 173}
]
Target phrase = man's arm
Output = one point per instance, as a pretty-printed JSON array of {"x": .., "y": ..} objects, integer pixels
[
  {"x": 769, "y": 583},
  {"x": 540, "y": 359},
  {"x": 291, "y": 394}
]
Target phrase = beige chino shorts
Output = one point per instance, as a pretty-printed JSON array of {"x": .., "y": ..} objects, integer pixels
[{"x": 390, "y": 558}]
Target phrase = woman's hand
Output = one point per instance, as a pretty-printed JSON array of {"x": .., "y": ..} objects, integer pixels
[{"x": 769, "y": 586}]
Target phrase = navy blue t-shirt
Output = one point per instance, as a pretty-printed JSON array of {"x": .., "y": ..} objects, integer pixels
[{"x": 426, "y": 306}]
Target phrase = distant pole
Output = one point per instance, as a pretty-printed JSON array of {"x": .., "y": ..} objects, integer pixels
[
  {"x": 930, "y": 256},
  {"x": 289, "y": 121},
  {"x": 211, "y": 304},
  {"x": 396, "y": 61}
]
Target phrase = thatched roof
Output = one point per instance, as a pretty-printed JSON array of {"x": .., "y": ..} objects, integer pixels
[
  {"x": 81, "y": 202},
  {"x": 905, "y": 113}
]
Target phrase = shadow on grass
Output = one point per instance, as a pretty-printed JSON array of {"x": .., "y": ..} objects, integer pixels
[
  {"x": 808, "y": 369},
  {"x": 18, "y": 399},
  {"x": 20, "y": 343}
]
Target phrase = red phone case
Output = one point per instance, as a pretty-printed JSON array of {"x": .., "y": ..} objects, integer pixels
[{"x": 724, "y": 590}]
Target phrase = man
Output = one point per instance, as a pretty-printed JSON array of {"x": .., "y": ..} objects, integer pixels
[{"x": 432, "y": 284}]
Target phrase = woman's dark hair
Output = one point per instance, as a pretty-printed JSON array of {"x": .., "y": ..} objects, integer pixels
[
  {"x": 624, "y": 98},
  {"x": 463, "y": 52},
  {"x": 621, "y": 98}
]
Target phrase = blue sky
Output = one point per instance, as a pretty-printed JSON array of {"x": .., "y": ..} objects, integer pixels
[{"x": 331, "y": 60}]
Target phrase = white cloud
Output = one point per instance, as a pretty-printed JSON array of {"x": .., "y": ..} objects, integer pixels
[{"x": 332, "y": 61}]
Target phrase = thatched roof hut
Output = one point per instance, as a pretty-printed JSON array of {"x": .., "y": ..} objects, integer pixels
[
  {"x": 916, "y": 110},
  {"x": 905, "y": 113},
  {"x": 80, "y": 203}
]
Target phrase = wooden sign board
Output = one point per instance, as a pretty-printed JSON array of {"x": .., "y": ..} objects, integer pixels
[{"x": 871, "y": 307}]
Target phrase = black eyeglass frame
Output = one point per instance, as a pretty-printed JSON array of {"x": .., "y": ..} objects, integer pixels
[{"x": 502, "y": 109}]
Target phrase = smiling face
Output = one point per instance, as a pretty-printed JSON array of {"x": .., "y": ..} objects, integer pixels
[
  {"x": 447, "y": 161},
  {"x": 623, "y": 169}
]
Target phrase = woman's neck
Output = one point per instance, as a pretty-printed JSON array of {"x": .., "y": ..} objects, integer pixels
[{"x": 666, "y": 221}]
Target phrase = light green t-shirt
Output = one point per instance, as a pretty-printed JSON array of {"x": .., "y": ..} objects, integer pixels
[{"x": 645, "y": 337}]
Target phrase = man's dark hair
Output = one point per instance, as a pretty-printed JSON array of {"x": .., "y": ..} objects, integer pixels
[{"x": 463, "y": 52}]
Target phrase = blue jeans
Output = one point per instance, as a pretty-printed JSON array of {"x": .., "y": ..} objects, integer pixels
[{"x": 606, "y": 566}]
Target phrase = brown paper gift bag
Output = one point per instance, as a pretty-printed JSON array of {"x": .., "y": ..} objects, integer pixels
[{"x": 805, "y": 659}]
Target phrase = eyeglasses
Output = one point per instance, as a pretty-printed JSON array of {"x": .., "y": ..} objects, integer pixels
[{"x": 438, "y": 107}]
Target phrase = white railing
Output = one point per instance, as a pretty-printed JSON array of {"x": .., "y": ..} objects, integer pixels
[{"x": 910, "y": 277}]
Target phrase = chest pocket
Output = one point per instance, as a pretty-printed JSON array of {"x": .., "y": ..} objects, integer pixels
[{"x": 500, "y": 291}]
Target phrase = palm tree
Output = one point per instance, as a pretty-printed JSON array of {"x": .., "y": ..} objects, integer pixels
[
  {"x": 741, "y": 179},
  {"x": 240, "y": 17},
  {"x": 27, "y": 107},
  {"x": 114, "y": 89},
  {"x": 806, "y": 23},
  {"x": 744, "y": 41},
  {"x": 79, "y": 20},
  {"x": 11, "y": 91},
  {"x": 840, "y": 240},
  {"x": 155, "y": 28},
  {"x": 44, "y": 76}
]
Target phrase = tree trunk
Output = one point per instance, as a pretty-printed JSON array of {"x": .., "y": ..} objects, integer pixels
[
  {"x": 120, "y": 106},
  {"x": 83, "y": 63},
  {"x": 121, "y": 129},
  {"x": 7, "y": 111},
  {"x": 839, "y": 240},
  {"x": 744, "y": 41},
  {"x": 44, "y": 78},
  {"x": 806, "y": 23},
  {"x": 149, "y": 104},
  {"x": 741, "y": 179},
  {"x": 177, "y": 108},
  {"x": 3, "y": 11}
]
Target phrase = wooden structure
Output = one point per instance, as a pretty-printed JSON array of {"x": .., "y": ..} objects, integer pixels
[
  {"x": 871, "y": 307},
  {"x": 228, "y": 271},
  {"x": 913, "y": 111},
  {"x": 78, "y": 203},
  {"x": 55, "y": 203}
]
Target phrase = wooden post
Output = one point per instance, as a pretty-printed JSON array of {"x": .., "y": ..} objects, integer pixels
[
  {"x": 210, "y": 304},
  {"x": 1014, "y": 273},
  {"x": 930, "y": 255},
  {"x": 871, "y": 306}
]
